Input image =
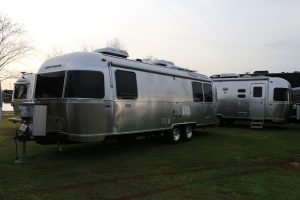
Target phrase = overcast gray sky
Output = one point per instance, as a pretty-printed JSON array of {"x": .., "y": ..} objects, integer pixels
[{"x": 211, "y": 36}]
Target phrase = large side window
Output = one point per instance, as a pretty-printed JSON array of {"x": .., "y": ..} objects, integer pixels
[
  {"x": 281, "y": 94},
  {"x": 126, "y": 85},
  {"x": 20, "y": 91},
  {"x": 84, "y": 84},
  {"x": 257, "y": 92},
  {"x": 49, "y": 85},
  {"x": 208, "y": 94},
  {"x": 197, "y": 91}
]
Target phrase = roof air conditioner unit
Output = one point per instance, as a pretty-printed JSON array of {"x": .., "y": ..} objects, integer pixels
[{"x": 113, "y": 52}]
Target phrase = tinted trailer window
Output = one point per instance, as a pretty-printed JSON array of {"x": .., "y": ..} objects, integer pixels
[
  {"x": 197, "y": 92},
  {"x": 85, "y": 84},
  {"x": 208, "y": 93},
  {"x": 281, "y": 94},
  {"x": 126, "y": 85},
  {"x": 50, "y": 85},
  {"x": 257, "y": 92},
  {"x": 20, "y": 91}
]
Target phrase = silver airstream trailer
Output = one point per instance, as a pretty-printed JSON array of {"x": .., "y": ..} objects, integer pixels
[
  {"x": 23, "y": 92},
  {"x": 89, "y": 96},
  {"x": 255, "y": 98}
]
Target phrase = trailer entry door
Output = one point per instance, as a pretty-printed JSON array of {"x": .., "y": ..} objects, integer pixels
[{"x": 257, "y": 101}]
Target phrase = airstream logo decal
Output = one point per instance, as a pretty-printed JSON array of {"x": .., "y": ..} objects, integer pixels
[{"x": 52, "y": 66}]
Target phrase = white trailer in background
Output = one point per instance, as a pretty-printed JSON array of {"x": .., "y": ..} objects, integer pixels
[
  {"x": 255, "y": 98},
  {"x": 23, "y": 92}
]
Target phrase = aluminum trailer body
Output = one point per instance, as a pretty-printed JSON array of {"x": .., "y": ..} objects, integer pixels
[
  {"x": 89, "y": 96},
  {"x": 23, "y": 92},
  {"x": 253, "y": 98}
]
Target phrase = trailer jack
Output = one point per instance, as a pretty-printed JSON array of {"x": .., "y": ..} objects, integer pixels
[{"x": 20, "y": 140}]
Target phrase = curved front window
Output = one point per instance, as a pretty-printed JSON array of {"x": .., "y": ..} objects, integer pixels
[
  {"x": 84, "y": 84},
  {"x": 281, "y": 94},
  {"x": 49, "y": 85},
  {"x": 20, "y": 91},
  {"x": 78, "y": 84}
]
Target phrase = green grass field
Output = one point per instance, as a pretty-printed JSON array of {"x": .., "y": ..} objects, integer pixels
[{"x": 219, "y": 163}]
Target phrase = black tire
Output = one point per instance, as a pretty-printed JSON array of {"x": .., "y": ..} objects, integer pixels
[
  {"x": 229, "y": 122},
  {"x": 126, "y": 139},
  {"x": 174, "y": 136},
  {"x": 187, "y": 133},
  {"x": 218, "y": 121}
]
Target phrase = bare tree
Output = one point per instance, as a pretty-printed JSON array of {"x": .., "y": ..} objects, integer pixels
[
  {"x": 148, "y": 58},
  {"x": 86, "y": 48},
  {"x": 115, "y": 43},
  {"x": 55, "y": 52},
  {"x": 7, "y": 74},
  {"x": 13, "y": 44}
]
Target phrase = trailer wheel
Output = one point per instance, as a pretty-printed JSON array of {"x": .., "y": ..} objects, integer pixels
[
  {"x": 218, "y": 121},
  {"x": 188, "y": 133},
  {"x": 229, "y": 122},
  {"x": 174, "y": 135}
]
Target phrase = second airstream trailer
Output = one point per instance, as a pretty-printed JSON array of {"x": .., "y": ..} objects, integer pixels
[
  {"x": 23, "y": 92},
  {"x": 256, "y": 98},
  {"x": 296, "y": 102},
  {"x": 88, "y": 96}
]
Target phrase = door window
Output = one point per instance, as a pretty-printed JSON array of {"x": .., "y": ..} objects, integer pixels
[{"x": 257, "y": 92}]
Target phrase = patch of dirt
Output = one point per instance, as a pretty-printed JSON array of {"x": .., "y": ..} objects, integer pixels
[
  {"x": 82, "y": 185},
  {"x": 147, "y": 193},
  {"x": 238, "y": 174},
  {"x": 294, "y": 132},
  {"x": 295, "y": 164},
  {"x": 78, "y": 185},
  {"x": 289, "y": 164}
]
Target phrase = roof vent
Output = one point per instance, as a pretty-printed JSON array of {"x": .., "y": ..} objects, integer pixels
[
  {"x": 231, "y": 75},
  {"x": 261, "y": 72},
  {"x": 113, "y": 52},
  {"x": 161, "y": 62},
  {"x": 247, "y": 76}
]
